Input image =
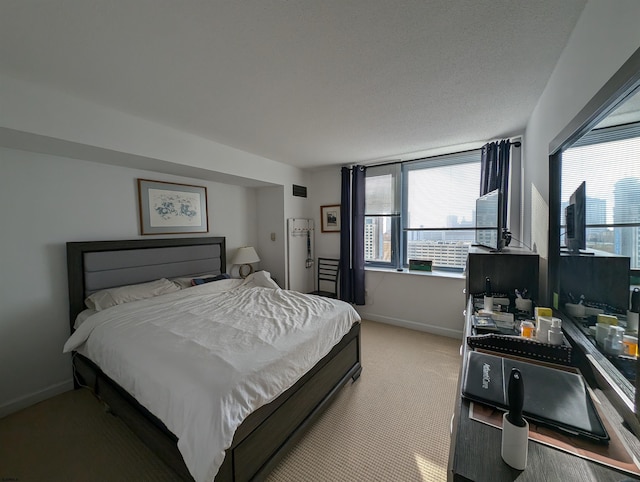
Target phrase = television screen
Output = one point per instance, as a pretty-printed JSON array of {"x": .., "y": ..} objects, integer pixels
[
  {"x": 575, "y": 215},
  {"x": 488, "y": 229}
]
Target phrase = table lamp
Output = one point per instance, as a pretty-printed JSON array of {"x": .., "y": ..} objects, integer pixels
[{"x": 244, "y": 257}]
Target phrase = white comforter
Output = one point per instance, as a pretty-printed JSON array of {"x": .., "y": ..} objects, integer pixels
[{"x": 202, "y": 359}]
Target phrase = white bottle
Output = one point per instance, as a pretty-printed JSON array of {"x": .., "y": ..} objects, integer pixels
[
  {"x": 613, "y": 343},
  {"x": 542, "y": 330},
  {"x": 488, "y": 295},
  {"x": 555, "y": 332}
]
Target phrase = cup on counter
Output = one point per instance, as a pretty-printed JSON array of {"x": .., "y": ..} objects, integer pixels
[{"x": 524, "y": 305}]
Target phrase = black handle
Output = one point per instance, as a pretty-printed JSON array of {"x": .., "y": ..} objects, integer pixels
[
  {"x": 516, "y": 398},
  {"x": 487, "y": 287},
  {"x": 635, "y": 300}
]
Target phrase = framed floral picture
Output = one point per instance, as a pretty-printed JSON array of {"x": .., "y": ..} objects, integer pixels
[
  {"x": 172, "y": 208},
  {"x": 330, "y": 216}
]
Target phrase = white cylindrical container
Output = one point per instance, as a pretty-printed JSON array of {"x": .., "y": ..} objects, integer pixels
[
  {"x": 613, "y": 343},
  {"x": 602, "y": 330},
  {"x": 515, "y": 443},
  {"x": 542, "y": 330},
  {"x": 488, "y": 303},
  {"x": 555, "y": 332},
  {"x": 524, "y": 305},
  {"x": 632, "y": 321}
]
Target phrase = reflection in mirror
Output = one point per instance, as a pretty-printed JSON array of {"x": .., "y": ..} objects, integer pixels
[{"x": 594, "y": 284}]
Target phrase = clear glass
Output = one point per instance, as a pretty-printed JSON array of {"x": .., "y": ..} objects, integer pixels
[
  {"x": 613, "y": 194},
  {"x": 443, "y": 196},
  {"x": 409, "y": 206},
  {"x": 447, "y": 249},
  {"x": 378, "y": 236}
]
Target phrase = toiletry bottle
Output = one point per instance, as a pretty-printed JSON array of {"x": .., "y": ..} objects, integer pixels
[
  {"x": 488, "y": 295},
  {"x": 542, "y": 330},
  {"x": 630, "y": 345},
  {"x": 634, "y": 313},
  {"x": 515, "y": 429},
  {"x": 526, "y": 329},
  {"x": 613, "y": 343},
  {"x": 555, "y": 332}
]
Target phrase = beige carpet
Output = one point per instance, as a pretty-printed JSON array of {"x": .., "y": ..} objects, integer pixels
[
  {"x": 72, "y": 438},
  {"x": 391, "y": 425}
]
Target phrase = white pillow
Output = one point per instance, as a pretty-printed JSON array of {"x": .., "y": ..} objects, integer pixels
[
  {"x": 262, "y": 279},
  {"x": 82, "y": 316},
  {"x": 103, "y": 299}
]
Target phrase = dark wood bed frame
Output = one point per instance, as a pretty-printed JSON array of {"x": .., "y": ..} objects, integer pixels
[{"x": 267, "y": 434}]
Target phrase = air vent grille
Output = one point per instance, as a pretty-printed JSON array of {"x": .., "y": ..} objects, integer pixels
[{"x": 300, "y": 191}]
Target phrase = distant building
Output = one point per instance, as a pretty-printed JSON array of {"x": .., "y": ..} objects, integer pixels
[
  {"x": 372, "y": 238},
  {"x": 445, "y": 248},
  {"x": 626, "y": 208},
  {"x": 442, "y": 253}
]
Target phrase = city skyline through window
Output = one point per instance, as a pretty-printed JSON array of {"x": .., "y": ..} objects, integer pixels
[
  {"x": 611, "y": 171},
  {"x": 422, "y": 209}
]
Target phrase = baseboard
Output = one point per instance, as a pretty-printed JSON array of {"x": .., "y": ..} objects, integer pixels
[
  {"x": 413, "y": 325},
  {"x": 26, "y": 401}
]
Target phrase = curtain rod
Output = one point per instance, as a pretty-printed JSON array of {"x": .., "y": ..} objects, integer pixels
[{"x": 389, "y": 163}]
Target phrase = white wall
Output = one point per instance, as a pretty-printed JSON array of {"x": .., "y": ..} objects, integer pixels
[
  {"x": 47, "y": 201},
  {"x": 83, "y": 128},
  {"x": 324, "y": 190},
  {"x": 422, "y": 302},
  {"x": 605, "y": 36},
  {"x": 40, "y": 119},
  {"x": 270, "y": 213}
]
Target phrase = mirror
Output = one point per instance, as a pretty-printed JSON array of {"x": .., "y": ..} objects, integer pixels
[{"x": 595, "y": 229}]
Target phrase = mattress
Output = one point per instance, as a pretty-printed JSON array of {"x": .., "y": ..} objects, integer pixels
[{"x": 202, "y": 359}]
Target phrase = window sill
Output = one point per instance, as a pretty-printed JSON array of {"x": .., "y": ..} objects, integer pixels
[{"x": 434, "y": 274}]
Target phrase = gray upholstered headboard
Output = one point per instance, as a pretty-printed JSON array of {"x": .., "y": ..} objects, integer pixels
[{"x": 96, "y": 265}]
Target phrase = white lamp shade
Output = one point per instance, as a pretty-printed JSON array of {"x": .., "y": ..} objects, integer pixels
[{"x": 245, "y": 255}]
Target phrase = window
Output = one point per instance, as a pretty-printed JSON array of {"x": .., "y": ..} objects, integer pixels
[
  {"x": 613, "y": 195},
  {"x": 382, "y": 215},
  {"x": 423, "y": 209}
]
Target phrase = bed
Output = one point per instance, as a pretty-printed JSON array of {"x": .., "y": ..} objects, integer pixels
[{"x": 262, "y": 437}]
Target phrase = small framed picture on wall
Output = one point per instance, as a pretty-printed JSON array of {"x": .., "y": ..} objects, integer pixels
[{"x": 330, "y": 216}]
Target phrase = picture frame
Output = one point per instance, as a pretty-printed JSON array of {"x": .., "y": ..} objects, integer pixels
[
  {"x": 172, "y": 208},
  {"x": 330, "y": 218}
]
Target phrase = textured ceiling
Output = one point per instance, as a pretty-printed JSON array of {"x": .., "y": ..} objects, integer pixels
[{"x": 308, "y": 83}]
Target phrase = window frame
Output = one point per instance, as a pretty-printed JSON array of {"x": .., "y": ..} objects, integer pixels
[
  {"x": 399, "y": 228},
  {"x": 393, "y": 169}
]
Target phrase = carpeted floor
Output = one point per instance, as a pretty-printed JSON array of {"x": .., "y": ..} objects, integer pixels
[{"x": 391, "y": 425}]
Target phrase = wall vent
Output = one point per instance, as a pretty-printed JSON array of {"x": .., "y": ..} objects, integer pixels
[{"x": 299, "y": 191}]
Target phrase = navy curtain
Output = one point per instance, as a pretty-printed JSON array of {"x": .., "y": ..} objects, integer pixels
[
  {"x": 352, "y": 235},
  {"x": 494, "y": 171}
]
